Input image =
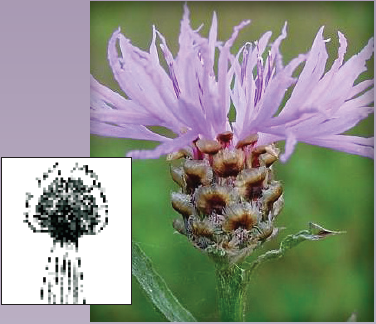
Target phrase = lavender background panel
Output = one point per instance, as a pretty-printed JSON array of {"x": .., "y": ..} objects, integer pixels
[{"x": 44, "y": 91}]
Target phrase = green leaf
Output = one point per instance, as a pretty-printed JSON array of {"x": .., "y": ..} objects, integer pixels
[
  {"x": 156, "y": 288},
  {"x": 315, "y": 232}
]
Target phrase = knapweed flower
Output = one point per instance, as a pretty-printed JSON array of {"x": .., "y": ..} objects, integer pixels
[{"x": 228, "y": 196}]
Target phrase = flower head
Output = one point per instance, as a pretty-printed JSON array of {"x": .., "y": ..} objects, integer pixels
[{"x": 193, "y": 100}]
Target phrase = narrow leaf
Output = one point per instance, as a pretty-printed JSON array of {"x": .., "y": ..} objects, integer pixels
[
  {"x": 314, "y": 233},
  {"x": 321, "y": 232},
  {"x": 156, "y": 288}
]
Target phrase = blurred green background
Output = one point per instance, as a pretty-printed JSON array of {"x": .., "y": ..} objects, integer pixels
[{"x": 316, "y": 281}]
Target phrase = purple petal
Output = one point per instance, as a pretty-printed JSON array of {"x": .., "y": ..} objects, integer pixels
[
  {"x": 189, "y": 112},
  {"x": 145, "y": 83},
  {"x": 310, "y": 75},
  {"x": 346, "y": 143},
  {"x": 119, "y": 117},
  {"x": 153, "y": 48},
  {"x": 289, "y": 147},
  {"x": 256, "y": 51},
  {"x": 333, "y": 125},
  {"x": 221, "y": 111},
  {"x": 170, "y": 62},
  {"x": 274, "y": 95},
  {"x": 334, "y": 93},
  {"x": 186, "y": 110},
  {"x": 356, "y": 64},
  {"x": 124, "y": 131},
  {"x": 275, "y": 48},
  {"x": 265, "y": 139},
  {"x": 165, "y": 148},
  {"x": 322, "y": 92},
  {"x": 185, "y": 39},
  {"x": 351, "y": 105},
  {"x": 359, "y": 88},
  {"x": 212, "y": 41},
  {"x": 99, "y": 92},
  {"x": 291, "y": 119}
]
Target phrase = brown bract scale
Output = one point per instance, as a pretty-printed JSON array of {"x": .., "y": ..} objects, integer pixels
[
  {"x": 225, "y": 137},
  {"x": 197, "y": 172},
  {"x": 267, "y": 159},
  {"x": 269, "y": 196},
  {"x": 179, "y": 154},
  {"x": 266, "y": 230},
  {"x": 228, "y": 162},
  {"x": 212, "y": 199},
  {"x": 227, "y": 197},
  {"x": 263, "y": 155},
  {"x": 240, "y": 216},
  {"x": 178, "y": 175},
  {"x": 249, "y": 182},
  {"x": 208, "y": 146},
  {"x": 249, "y": 140},
  {"x": 277, "y": 207},
  {"x": 202, "y": 228},
  {"x": 179, "y": 226},
  {"x": 182, "y": 204}
]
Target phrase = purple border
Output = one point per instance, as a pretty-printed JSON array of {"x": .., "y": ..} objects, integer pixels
[{"x": 44, "y": 95}]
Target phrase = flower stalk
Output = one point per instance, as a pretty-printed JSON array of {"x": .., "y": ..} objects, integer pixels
[{"x": 232, "y": 282}]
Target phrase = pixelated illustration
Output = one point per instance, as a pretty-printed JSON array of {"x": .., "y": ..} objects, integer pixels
[
  {"x": 67, "y": 205},
  {"x": 66, "y": 230}
]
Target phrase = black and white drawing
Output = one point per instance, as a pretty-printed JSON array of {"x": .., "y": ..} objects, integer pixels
[
  {"x": 70, "y": 206},
  {"x": 66, "y": 231}
]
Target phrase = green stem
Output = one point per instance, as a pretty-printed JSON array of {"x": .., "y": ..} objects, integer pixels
[{"x": 231, "y": 287}]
